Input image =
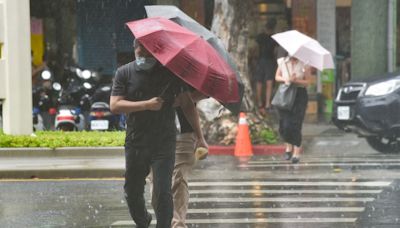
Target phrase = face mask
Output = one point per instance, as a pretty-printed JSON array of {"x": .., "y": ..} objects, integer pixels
[{"x": 145, "y": 63}]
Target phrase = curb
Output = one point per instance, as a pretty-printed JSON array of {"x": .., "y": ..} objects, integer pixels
[
  {"x": 257, "y": 150},
  {"x": 119, "y": 151},
  {"x": 62, "y": 152},
  {"x": 55, "y": 170},
  {"x": 62, "y": 173}
]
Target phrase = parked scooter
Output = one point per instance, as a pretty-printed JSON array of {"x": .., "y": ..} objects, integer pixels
[
  {"x": 69, "y": 116},
  {"x": 43, "y": 103},
  {"x": 100, "y": 116}
]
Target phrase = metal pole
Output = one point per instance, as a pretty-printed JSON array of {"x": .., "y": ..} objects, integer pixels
[
  {"x": 391, "y": 44},
  {"x": 17, "y": 105}
]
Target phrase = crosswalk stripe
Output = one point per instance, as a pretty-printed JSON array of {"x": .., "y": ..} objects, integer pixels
[
  {"x": 272, "y": 220},
  {"x": 281, "y": 199},
  {"x": 297, "y": 191},
  {"x": 327, "y": 160},
  {"x": 207, "y": 209},
  {"x": 251, "y": 221},
  {"x": 273, "y": 210},
  {"x": 292, "y": 183},
  {"x": 316, "y": 165}
]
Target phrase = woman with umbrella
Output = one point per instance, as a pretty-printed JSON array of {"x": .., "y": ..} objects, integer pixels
[
  {"x": 303, "y": 50},
  {"x": 293, "y": 71}
]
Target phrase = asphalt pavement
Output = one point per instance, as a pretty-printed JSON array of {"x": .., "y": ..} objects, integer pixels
[
  {"x": 328, "y": 188},
  {"x": 339, "y": 182}
]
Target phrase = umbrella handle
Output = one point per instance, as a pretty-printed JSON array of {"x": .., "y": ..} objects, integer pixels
[
  {"x": 164, "y": 89},
  {"x": 287, "y": 69}
]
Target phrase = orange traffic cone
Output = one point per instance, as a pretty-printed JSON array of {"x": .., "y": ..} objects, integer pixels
[{"x": 243, "y": 143}]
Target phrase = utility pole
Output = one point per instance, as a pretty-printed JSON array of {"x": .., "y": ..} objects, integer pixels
[
  {"x": 15, "y": 67},
  {"x": 392, "y": 19}
]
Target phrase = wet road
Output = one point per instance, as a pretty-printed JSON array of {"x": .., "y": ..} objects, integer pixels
[{"x": 340, "y": 182}]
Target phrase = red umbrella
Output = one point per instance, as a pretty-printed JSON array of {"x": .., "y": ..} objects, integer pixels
[{"x": 188, "y": 56}]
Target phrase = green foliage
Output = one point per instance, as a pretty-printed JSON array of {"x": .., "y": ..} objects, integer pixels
[
  {"x": 269, "y": 136},
  {"x": 264, "y": 136},
  {"x": 54, "y": 139}
]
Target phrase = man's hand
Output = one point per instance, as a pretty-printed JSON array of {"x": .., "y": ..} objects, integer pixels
[
  {"x": 155, "y": 104},
  {"x": 201, "y": 151},
  {"x": 201, "y": 143}
]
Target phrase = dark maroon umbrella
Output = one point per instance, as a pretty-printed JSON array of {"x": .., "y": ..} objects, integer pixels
[
  {"x": 188, "y": 56},
  {"x": 175, "y": 14}
]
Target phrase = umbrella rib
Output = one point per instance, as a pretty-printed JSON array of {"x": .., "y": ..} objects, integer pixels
[{"x": 182, "y": 49}]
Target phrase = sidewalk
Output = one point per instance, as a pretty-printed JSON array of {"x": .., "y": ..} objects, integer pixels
[{"x": 103, "y": 162}]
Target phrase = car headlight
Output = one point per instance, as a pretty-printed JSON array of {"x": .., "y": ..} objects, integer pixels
[{"x": 383, "y": 88}]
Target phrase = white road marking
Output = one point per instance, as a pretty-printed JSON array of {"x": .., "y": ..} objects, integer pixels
[
  {"x": 305, "y": 164},
  {"x": 295, "y": 191},
  {"x": 292, "y": 183},
  {"x": 338, "y": 143},
  {"x": 273, "y": 210},
  {"x": 281, "y": 199},
  {"x": 257, "y": 220},
  {"x": 327, "y": 160}
]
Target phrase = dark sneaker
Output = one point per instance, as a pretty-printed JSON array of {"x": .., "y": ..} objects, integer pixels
[
  {"x": 287, "y": 155},
  {"x": 295, "y": 160},
  {"x": 149, "y": 218}
]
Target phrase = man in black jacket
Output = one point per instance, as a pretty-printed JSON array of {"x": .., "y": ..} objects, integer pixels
[{"x": 146, "y": 91}]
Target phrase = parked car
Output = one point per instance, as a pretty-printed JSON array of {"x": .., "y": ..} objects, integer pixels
[{"x": 371, "y": 109}]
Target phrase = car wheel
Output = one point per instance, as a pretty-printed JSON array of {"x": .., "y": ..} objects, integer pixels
[{"x": 384, "y": 144}]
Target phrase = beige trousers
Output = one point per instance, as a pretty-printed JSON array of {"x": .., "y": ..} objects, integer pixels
[{"x": 184, "y": 162}]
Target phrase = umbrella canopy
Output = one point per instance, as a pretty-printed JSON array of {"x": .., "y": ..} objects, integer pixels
[
  {"x": 305, "y": 48},
  {"x": 188, "y": 56},
  {"x": 175, "y": 14}
]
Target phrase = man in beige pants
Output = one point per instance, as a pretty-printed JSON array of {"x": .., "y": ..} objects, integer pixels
[{"x": 187, "y": 140}]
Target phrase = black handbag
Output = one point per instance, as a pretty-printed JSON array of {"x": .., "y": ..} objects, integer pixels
[{"x": 285, "y": 95}]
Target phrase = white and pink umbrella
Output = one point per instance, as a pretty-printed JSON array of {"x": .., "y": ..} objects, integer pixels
[{"x": 305, "y": 49}]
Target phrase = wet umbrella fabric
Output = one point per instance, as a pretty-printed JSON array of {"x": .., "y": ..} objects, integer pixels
[
  {"x": 175, "y": 14},
  {"x": 188, "y": 56},
  {"x": 305, "y": 48}
]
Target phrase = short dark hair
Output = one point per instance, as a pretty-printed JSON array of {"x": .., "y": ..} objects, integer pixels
[{"x": 136, "y": 43}]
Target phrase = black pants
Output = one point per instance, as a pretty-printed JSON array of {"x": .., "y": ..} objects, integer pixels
[
  {"x": 291, "y": 122},
  {"x": 139, "y": 158}
]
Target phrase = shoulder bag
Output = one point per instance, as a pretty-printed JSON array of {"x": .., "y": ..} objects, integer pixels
[{"x": 285, "y": 95}]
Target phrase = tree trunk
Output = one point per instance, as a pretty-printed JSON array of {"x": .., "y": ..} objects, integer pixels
[{"x": 230, "y": 23}]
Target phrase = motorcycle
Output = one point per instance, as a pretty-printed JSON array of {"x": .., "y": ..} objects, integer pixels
[
  {"x": 71, "y": 99},
  {"x": 43, "y": 106},
  {"x": 100, "y": 116}
]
